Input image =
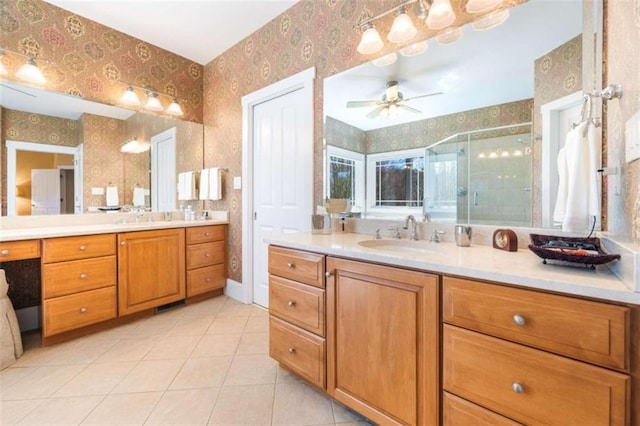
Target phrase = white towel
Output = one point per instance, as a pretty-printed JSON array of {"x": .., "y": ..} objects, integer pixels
[
  {"x": 561, "y": 197},
  {"x": 186, "y": 186},
  {"x": 215, "y": 184},
  {"x": 204, "y": 184},
  {"x": 181, "y": 185},
  {"x": 138, "y": 196},
  {"x": 112, "y": 196}
]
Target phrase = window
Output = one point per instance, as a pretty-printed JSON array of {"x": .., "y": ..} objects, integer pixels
[
  {"x": 398, "y": 180},
  {"x": 345, "y": 176}
]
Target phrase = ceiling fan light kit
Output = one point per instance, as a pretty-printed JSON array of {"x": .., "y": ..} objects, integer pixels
[
  {"x": 437, "y": 14},
  {"x": 392, "y": 103}
]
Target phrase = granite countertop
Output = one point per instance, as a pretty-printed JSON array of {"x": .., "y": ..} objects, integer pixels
[{"x": 521, "y": 268}]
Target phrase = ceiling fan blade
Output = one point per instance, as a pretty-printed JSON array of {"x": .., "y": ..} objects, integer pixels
[
  {"x": 375, "y": 113},
  {"x": 359, "y": 104},
  {"x": 18, "y": 90},
  {"x": 408, "y": 108},
  {"x": 424, "y": 96}
]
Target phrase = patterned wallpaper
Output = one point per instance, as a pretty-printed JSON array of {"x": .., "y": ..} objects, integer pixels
[
  {"x": 345, "y": 136},
  {"x": 88, "y": 59}
]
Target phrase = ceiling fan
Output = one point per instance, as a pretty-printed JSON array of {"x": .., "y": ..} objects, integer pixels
[{"x": 391, "y": 103}]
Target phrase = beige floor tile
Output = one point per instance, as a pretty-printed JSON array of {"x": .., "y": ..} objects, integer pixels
[
  {"x": 206, "y": 372},
  {"x": 217, "y": 345},
  {"x": 62, "y": 411},
  {"x": 253, "y": 343},
  {"x": 96, "y": 379},
  {"x": 206, "y": 307},
  {"x": 192, "y": 326},
  {"x": 251, "y": 370},
  {"x": 82, "y": 352},
  {"x": 124, "y": 409},
  {"x": 174, "y": 347},
  {"x": 42, "y": 382},
  {"x": 300, "y": 404},
  {"x": 257, "y": 324},
  {"x": 128, "y": 350},
  {"x": 227, "y": 325},
  {"x": 12, "y": 375},
  {"x": 184, "y": 407},
  {"x": 243, "y": 405},
  {"x": 11, "y": 412},
  {"x": 120, "y": 332},
  {"x": 342, "y": 414},
  {"x": 285, "y": 376},
  {"x": 233, "y": 308},
  {"x": 148, "y": 376}
]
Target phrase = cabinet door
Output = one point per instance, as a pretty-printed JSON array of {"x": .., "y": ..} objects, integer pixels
[
  {"x": 382, "y": 342},
  {"x": 151, "y": 269}
]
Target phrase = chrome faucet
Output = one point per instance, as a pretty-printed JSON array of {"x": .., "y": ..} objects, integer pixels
[
  {"x": 426, "y": 217},
  {"x": 435, "y": 236},
  {"x": 414, "y": 233},
  {"x": 396, "y": 232}
]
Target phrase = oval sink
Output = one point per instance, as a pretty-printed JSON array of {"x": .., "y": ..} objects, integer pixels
[{"x": 399, "y": 246}]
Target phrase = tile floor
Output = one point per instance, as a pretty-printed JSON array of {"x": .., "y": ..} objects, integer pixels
[{"x": 205, "y": 363}]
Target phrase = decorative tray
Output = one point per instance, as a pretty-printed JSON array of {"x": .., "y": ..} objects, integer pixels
[{"x": 570, "y": 249}]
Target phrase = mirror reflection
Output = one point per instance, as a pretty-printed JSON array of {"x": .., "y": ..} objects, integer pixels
[
  {"x": 63, "y": 154},
  {"x": 464, "y": 141}
]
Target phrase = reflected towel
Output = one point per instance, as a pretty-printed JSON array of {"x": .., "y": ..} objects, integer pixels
[
  {"x": 561, "y": 197},
  {"x": 112, "y": 196},
  {"x": 186, "y": 186},
  {"x": 215, "y": 184},
  {"x": 181, "y": 185},
  {"x": 138, "y": 197},
  {"x": 204, "y": 184}
]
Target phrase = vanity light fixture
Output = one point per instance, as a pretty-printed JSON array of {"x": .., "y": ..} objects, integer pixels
[
  {"x": 153, "y": 103},
  {"x": 370, "y": 41},
  {"x": 440, "y": 15},
  {"x": 174, "y": 108},
  {"x": 385, "y": 60},
  {"x": 451, "y": 35},
  {"x": 134, "y": 146},
  {"x": 481, "y": 6},
  {"x": 415, "y": 48},
  {"x": 28, "y": 72},
  {"x": 3, "y": 70},
  {"x": 491, "y": 20},
  {"x": 131, "y": 97},
  {"x": 402, "y": 29}
]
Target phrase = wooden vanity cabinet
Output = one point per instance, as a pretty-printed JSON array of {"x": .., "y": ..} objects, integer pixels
[
  {"x": 78, "y": 282},
  {"x": 151, "y": 269},
  {"x": 383, "y": 342},
  {"x": 205, "y": 259},
  {"x": 19, "y": 250}
]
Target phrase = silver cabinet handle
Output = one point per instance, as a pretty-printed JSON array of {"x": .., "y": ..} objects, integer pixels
[
  {"x": 4, "y": 252},
  {"x": 517, "y": 388},
  {"x": 123, "y": 243},
  {"x": 83, "y": 276},
  {"x": 519, "y": 319},
  {"x": 83, "y": 310},
  {"x": 290, "y": 265},
  {"x": 291, "y": 304},
  {"x": 292, "y": 350},
  {"x": 327, "y": 274},
  {"x": 82, "y": 247}
]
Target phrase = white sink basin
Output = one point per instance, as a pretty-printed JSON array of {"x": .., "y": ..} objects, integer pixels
[{"x": 399, "y": 246}]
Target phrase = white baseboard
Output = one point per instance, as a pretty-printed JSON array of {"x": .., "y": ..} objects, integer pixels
[
  {"x": 236, "y": 290},
  {"x": 29, "y": 318}
]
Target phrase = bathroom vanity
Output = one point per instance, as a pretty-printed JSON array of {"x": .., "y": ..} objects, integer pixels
[{"x": 439, "y": 334}]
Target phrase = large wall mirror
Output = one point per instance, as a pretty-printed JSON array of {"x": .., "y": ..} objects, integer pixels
[
  {"x": 52, "y": 139},
  {"x": 466, "y": 143}
]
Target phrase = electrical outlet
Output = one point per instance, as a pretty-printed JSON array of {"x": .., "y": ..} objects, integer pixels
[
  {"x": 237, "y": 182},
  {"x": 632, "y": 138}
]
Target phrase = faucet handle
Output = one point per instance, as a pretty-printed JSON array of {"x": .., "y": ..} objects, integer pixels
[
  {"x": 396, "y": 232},
  {"x": 377, "y": 235},
  {"x": 435, "y": 236}
]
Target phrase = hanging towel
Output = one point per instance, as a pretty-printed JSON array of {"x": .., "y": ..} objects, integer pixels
[
  {"x": 112, "y": 196},
  {"x": 561, "y": 197},
  {"x": 138, "y": 196},
  {"x": 215, "y": 184},
  {"x": 204, "y": 184},
  {"x": 594, "y": 143},
  {"x": 181, "y": 185}
]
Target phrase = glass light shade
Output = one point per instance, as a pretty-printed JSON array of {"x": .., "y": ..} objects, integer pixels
[
  {"x": 491, "y": 20},
  {"x": 174, "y": 108},
  {"x": 414, "y": 49},
  {"x": 451, "y": 35},
  {"x": 135, "y": 147},
  {"x": 402, "y": 29},
  {"x": 440, "y": 15},
  {"x": 129, "y": 97},
  {"x": 385, "y": 60},
  {"x": 370, "y": 42},
  {"x": 153, "y": 103},
  {"x": 481, "y": 6},
  {"x": 3, "y": 70},
  {"x": 30, "y": 73}
]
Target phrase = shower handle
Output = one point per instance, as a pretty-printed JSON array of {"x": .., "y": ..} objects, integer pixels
[{"x": 475, "y": 198}]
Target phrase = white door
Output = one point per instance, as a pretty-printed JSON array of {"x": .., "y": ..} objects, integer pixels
[
  {"x": 45, "y": 191},
  {"x": 282, "y": 178},
  {"x": 163, "y": 171}
]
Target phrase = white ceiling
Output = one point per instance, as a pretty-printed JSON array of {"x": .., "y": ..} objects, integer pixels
[
  {"x": 483, "y": 68},
  {"x": 199, "y": 30}
]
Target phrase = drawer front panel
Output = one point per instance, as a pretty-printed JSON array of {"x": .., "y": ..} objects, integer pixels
[
  {"x": 19, "y": 250},
  {"x": 529, "y": 385},
  {"x": 82, "y": 247},
  {"x": 205, "y": 234},
  {"x": 78, "y": 310},
  {"x": 205, "y": 254},
  {"x": 298, "y": 350},
  {"x": 460, "y": 412},
  {"x": 205, "y": 279},
  {"x": 297, "y": 265},
  {"x": 299, "y": 304},
  {"x": 59, "y": 279},
  {"x": 585, "y": 330}
]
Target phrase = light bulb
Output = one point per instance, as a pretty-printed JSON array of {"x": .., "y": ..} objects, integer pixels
[
  {"x": 3, "y": 70},
  {"x": 451, "y": 35},
  {"x": 385, "y": 60},
  {"x": 153, "y": 103},
  {"x": 491, "y": 20},
  {"x": 481, "y": 6},
  {"x": 440, "y": 14},
  {"x": 414, "y": 49},
  {"x": 30, "y": 73},
  {"x": 129, "y": 97},
  {"x": 402, "y": 29},
  {"x": 370, "y": 41},
  {"x": 174, "y": 108}
]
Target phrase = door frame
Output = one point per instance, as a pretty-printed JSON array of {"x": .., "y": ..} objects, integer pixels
[
  {"x": 301, "y": 81},
  {"x": 155, "y": 167},
  {"x": 14, "y": 146}
]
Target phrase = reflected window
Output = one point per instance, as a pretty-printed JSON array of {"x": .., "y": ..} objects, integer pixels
[
  {"x": 345, "y": 175},
  {"x": 399, "y": 179}
]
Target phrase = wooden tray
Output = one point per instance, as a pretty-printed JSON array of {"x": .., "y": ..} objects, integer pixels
[{"x": 570, "y": 249}]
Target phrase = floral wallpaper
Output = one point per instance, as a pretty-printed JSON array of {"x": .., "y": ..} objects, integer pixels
[
  {"x": 345, "y": 136},
  {"x": 87, "y": 59}
]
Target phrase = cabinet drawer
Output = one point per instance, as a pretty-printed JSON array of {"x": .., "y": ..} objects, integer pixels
[
  {"x": 82, "y": 247},
  {"x": 297, "y": 350},
  {"x": 204, "y": 234},
  {"x": 199, "y": 255},
  {"x": 460, "y": 412},
  {"x": 78, "y": 310},
  {"x": 529, "y": 385},
  {"x": 297, "y": 265},
  {"x": 585, "y": 330},
  {"x": 19, "y": 250},
  {"x": 62, "y": 278},
  {"x": 205, "y": 279},
  {"x": 299, "y": 304}
]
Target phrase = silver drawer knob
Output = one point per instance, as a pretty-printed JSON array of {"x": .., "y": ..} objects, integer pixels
[
  {"x": 83, "y": 310},
  {"x": 292, "y": 350},
  {"x": 123, "y": 243},
  {"x": 208, "y": 280},
  {"x": 327, "y": 274},
  {"x": 517, "y": 388},
  {"x": 519, "y": 319},
  {"x": 206, "y": 234},
  {"x": 207, "y": 254},
  {"x": 4, "y": 252},
  {"x": 291, "y": 304},
  {"x": 83, "y": 276},
  {"x": 290, "y": 265},
  {"x": 83, "y": 247}
]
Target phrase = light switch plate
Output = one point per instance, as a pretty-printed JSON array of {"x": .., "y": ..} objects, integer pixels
[
  {"x": 97, "y": 191},
  {"x": 237, "y": 182},
  {"x": 632, "y": 138}
]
